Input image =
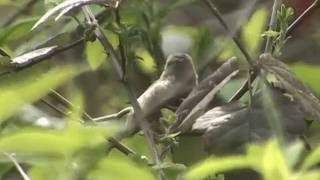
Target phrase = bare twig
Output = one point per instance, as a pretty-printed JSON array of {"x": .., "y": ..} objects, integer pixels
[
  {"x": 50, "y": 105},
  {"x": 67, "y": 103},
  {"x": 122, "y": 148},
  {"x": 308, "y": 12},
  {"x": 117, "y": 115},
  {"x": 217, "y": 14},
  {"x": 23, "y": 10},
  {"x": 17, "y": 165}
]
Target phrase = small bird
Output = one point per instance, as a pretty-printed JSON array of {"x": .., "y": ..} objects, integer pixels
[{"x": 176, "y": 81}]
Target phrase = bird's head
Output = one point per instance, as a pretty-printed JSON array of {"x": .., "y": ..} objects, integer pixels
[{"x": 179, "y": 67}]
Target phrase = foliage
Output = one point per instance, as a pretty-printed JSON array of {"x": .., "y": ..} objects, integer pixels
[{"x": 67, "y": 51}]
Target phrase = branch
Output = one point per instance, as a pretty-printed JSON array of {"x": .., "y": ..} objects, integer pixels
[
  {"x": 308, "y": 12},
  {"x": 17, "y": 165},
  {"x": 24, "y": 9},
  {"x": 50, "y": 105},
  {"x": 67, "y": 103},
  {"x": 117, "y": 115},
  {"x": 272, "y": 24},
  {"x": 217, "y": 14},
  {"x": 122, "y": 148}
]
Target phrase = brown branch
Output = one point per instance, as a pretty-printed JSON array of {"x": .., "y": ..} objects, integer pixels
[
  {"x": 308, "y": 12},
  {"x": 23, "y": 10}
]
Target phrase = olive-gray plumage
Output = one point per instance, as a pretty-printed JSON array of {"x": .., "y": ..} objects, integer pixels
[{"x": 176, "y": 81}]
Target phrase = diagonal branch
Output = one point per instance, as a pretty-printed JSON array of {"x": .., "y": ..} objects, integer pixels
[
  {"x": 218, "y": 15},
  {"x": 308, "y": 12}
]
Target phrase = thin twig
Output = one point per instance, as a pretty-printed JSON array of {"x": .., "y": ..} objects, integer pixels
[
  {"x": 17, "y": 165},
  {"x": 67, "y": 103},
  {"x": 122, "y": 148},
  {"x": 216, "y": 13},
  {"x": 272, "y": 25},
  {"x": 24, "y": 9},
  {"x": 50, "y": 105},
  {"x": 308, "y": 12},
  {"x": 117, "y": 115}
]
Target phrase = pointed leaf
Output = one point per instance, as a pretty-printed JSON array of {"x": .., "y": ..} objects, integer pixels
[{"x": 66, "y": 7}]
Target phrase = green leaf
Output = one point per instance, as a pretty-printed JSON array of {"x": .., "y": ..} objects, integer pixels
[
  {"x": 273, "y": 164},
  {"x": 312, "y": 159},
  {"x": 217, "y": 165},
  {"x": 28, "y": 86},
  {"x": 95, "y": 54},
  {"x": 271, "y": 34},
  {"x": 116, "y": 168},
  {"x": 293, "y": 153},
  {"x": 307, "y": 73},
  {"x": 252, "y": 31},
  {"x": 16, "y": 31},
  {"x": 147, "y": 63}
]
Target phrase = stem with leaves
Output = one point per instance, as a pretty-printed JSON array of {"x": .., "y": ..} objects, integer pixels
[{"x": 139, "y": 118}]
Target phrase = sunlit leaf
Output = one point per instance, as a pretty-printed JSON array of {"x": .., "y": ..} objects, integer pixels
[
  {"x": 252, "y": 31},
  {"x": 312, "y": 159},
  {"x": 95, "y": 54},
  {"x": 115, "y": 168},
  {"x": 147, "y": 63},
  {"x": 273, "y": 165},
  {"x": 217, "y": 165},
  {"x": 27, "y": 86},
  {"x": 307, "y": 73}
]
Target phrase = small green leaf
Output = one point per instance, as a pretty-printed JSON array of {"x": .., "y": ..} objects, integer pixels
[
  {"x": 252, "y": 31},
  {"x": 147, "y": 63},
  {"x": 95, "y": 54}
]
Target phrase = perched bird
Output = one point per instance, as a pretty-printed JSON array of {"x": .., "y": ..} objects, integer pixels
[
  {"x": 227, "y": 129},
  {"x": 176, "y": 81}
]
